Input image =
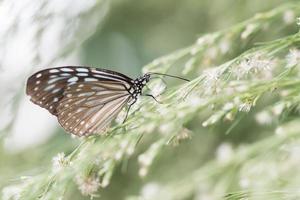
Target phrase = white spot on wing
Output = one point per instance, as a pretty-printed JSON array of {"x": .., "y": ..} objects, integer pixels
[
  {"x": 98, "y": 75},
  {"x": 55, "y": 99},
  {"x": 37, "y": 82},
  {"x": 73, "y": 79},
  {"x": 53, "y": 70},
  {"x": 82, "y": 74},
  {"x": 79, "y": 110},
  {"x": 82, "y": 70},
  {"x": 86, "y": 94},
  {"x": 54, "y": 80},
  {"x": 56, "y": 90},
  {"x": 53, "y": 76},
  {"x": 49, "y": 87},
  {"x": 90, "y": 79},
  {"x": 36, "y": 88},
  {"x": 38, "y": 75},
  {"x": 65, "y": 69},
  {"x": 65, "y": 74}
]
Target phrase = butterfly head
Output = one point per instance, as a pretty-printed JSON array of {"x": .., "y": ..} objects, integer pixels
[{"x": 139, "y": 83}]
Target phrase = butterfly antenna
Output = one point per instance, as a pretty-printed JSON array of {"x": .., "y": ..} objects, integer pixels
[{"x": 184, "y": 79}]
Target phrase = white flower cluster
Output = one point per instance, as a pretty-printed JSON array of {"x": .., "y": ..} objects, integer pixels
[
  {"x": 154, "y": 190},
  {"x": 245, "y": 107},
  {"x": 264, "y": 118},
  {"x": 12, "y": 192},
  {"x": 146, "y": 159},
  {"x": 253, "y": 65},
  {"x": 59, "y": 162},
  {"x": 293, "y": 58},
  {"x": 250, "y": 29},
  {"x": 87, "y": 185},
  {"x": 298, "y": 21},
  {"x": 126, "y": 148},
  {"x": 224, "y": 153},
  {"x": 289, "y": 16},
  {"x": 212, "y": 81}
]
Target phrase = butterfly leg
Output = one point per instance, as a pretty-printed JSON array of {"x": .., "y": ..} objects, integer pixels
[
  {"x": 128, "y": 110},
  {"x": 150, "y": 95}
]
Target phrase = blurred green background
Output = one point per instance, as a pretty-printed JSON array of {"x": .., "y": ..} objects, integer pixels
[{"x": 136, "y": 32}]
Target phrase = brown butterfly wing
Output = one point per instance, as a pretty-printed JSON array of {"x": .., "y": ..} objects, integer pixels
[
  {"x": 89, "y": 108},
  {"x": 84, "y": 99}
]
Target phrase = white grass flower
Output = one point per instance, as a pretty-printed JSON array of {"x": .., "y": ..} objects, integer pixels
[
  {"x": 59, "y": 162},
  {"x": 213, "y": 119},
  {"x": 212, "y": 53},
  {"x": 194, "y": 100},
  {"x": 298, "y": 21},
  {"x": 195, "y": 50},
  {"x": 245, "y": 107},
  {"x": 130, "y": 150},
  {"x": 293, "y": 154},
  {"x": 293, "y": 58},
  {"x": 244, "y": 183},
  {"x": 184, "y": 134},
  {"x": 224, "y": 153},
  {"x": 228, "y": 106},
  {"x": 250, "y": 28},
  {"x": 288, "y": 16},
  {"x": 224, "y": 46},
  {"x": 205, "y": 196},
  {"x": 242, "y": 69},
  {"x": 278, "y": 109},
  {"x": 253, "y": 65},
  {"x": 207, "y": 39},
  {"x": 87, "y": 185},
  {"x": 189, "y": 66},
  {"x": 118, "y": 155},
  {"x": 263, "y": 118},
  {"x": 145, "y": 160},
  {"x": 158, "y": 89},
  {"x": 126, "y": 147},
  {"x": 211, "y": 83},
  {"x": 281, "y": 132},
  {"x": 150, "y": 191},
  {"x": 143, "y": 171},
  {"x": 12, "y": 192},
  {"x": 165, "y": 128}
]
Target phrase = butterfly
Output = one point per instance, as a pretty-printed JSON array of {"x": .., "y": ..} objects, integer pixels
[{"x": 85, "y": 100}]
